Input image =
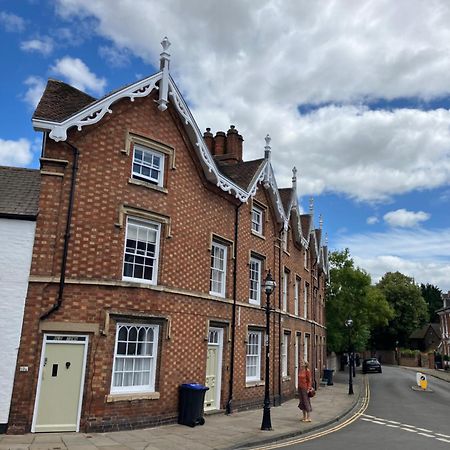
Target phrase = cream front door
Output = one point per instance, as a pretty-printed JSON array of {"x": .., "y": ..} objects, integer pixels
[
  {"x": 214, "y": 368},
  {"x": 60, "y": 385}
]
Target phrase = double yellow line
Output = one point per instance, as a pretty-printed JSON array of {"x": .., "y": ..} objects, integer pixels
[{"x": 361, "y": 410}]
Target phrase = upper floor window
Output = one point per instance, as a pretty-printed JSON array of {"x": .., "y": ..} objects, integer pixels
[
  {"x": 257, "y": 220},
  {"x": 135, "y": 355},
  {"x": 305, "y": 259},
  {"x": 141, "y": 251},
  {"x": 296, "y": 295},
  {"x": 253, "y": 357},
  {"x": 148, "y": 165},
  {"x": 285, "y": 289},
  {"x": 305, "y": 301},
  {"x": 218, "y": 269},
  {"x": 255, "y": 281}
]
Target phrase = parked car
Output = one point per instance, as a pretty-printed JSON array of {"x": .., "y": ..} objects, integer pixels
[{"x": 371, "y": 365}]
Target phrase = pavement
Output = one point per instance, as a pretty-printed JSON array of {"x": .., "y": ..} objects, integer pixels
[{"x": 236, "y": 431}]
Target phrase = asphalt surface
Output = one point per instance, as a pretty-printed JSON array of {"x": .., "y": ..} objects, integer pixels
[{"x": 397, "y": 418}]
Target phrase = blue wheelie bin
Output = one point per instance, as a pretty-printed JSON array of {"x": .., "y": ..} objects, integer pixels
[
  {"x": 328, "y": 375},
  {"x": 192, "y": 397}
]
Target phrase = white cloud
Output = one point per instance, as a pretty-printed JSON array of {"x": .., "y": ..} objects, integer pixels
[
  {"x": 422, "y": 254},
  {"x": 43, "y": 45},
  {"x": 11, "y": 22},
  {"x": 114, "y": 56},
  {"x": 78, "y": 74},
  {"x": 372, "y": 220},
  {"x": 36, "y": 86},
  {"x": 254, "y": 64},
  {"x": 405, "y": 219},
  {"x": 15, "y": 153}
]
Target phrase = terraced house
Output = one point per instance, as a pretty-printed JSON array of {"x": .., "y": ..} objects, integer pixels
[{"x": 152, "y": 243}]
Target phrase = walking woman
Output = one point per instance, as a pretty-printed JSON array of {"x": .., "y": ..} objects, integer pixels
[{"x": 304, "y": 385}]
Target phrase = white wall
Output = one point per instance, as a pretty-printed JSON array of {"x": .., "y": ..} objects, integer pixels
[{"x": 16, "y": 245}]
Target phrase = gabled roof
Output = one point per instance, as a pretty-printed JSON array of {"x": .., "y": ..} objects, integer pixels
[
  {"x": 19, "y": 193},
  {"x": 305, "y": 220},
  {"x": 286, "y": 198},
  {"x": 242, "y": 173},
  {"x": 60, "y": 101},
  {"x": 420, "y": 333}
]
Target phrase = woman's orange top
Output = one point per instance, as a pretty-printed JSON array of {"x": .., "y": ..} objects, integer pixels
[{"x": 304, "y": 379}]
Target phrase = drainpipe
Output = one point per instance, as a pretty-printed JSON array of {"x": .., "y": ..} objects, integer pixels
[
  {"x": 314, "y": 306},
  {"x": 280, "y": 299},
  {"x": 62, "y": 278},
  {"x": 229, "y": 407}
]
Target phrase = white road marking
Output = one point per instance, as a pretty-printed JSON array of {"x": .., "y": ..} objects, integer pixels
[
  {"x": 427, "y": 435},
  {"x": 406, "y": 427}
]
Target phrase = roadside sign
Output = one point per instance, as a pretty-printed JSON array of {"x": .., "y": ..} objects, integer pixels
[{"x": 421, "y": 380}]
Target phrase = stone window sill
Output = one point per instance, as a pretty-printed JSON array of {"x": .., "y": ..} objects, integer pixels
[
  {"x": 147, "y": 185},
  {"x": 111, "y": 398},
  {"x": 286, "y": 378},
  {"x": 251, "y": 384},
  {"x": 258, "y": 235}
]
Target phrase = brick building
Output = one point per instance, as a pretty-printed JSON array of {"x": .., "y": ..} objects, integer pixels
[
  {"x": 444, "y": 321},
  {"x": 152, "y": 243}
]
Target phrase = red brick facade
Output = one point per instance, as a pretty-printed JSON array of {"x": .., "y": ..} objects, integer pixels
[{"x": 191, "y": 211}]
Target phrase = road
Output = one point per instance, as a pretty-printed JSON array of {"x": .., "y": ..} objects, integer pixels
[{"x": 397, "y": 418}]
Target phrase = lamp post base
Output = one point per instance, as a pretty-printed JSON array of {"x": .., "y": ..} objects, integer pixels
[{"x": 266, "y": 422}]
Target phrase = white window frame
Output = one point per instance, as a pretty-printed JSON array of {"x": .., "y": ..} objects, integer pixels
[
  {"x": 254, "y": 295},
  {"x": 159, "y": 181},
  {"x": 305, "y": 259},
  {"x": 297, "y": 295},
  {"x": 257, "y": 220},
  {"x": 285, "y": 356},
  {"x": 257, "y": 355},
  {"x": 305, "y": 300},
  {"x": 154, "y": 226},
  {"x": 222, "y": 272},
  {"x": 153, "y": 358},
  {"x": 284, "y": 305}
]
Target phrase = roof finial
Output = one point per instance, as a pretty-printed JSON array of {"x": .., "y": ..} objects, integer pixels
[
  {"x": 326, "y": 238},
  {"x": 311, "y": 205},
  {"x": 164, "y": 83},
  {"x": 320, "y": 221},
  {"x": 267, "y": 147},
  {"x": 294, "y": 174}
]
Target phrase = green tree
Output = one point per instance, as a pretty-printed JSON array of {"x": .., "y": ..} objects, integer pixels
[
  {"x": 410, "y": 310},
  {"x": 433, "y": 298},
  {"x": 351, "y": 295}
]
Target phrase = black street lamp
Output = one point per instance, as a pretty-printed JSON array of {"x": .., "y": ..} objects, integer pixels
[
  {"x": 349, "y": 325},
  {"x": 269, "y": 286}
]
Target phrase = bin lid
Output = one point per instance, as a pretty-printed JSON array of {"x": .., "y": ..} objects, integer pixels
[{"x": 194, "y": 386}]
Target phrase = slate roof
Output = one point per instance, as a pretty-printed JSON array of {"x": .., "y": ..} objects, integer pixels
[
  {"x": 242, "y": 173},
  {"x": 19, "y": 192},
  {"x": 305, "y": 220},
  {"x": 286, "y": 195},
  {"x": 60, "y": 101},
  {"x": 422, "y": 332}
]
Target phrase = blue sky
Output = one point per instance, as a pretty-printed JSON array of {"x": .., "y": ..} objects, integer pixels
[{"x": 355, "y": 94}]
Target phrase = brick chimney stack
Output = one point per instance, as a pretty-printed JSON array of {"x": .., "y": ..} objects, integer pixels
[
  {"x": 234, "y": 144},
  {"x": 209, "y": 140},
  {"x": 220, "y": 143}
]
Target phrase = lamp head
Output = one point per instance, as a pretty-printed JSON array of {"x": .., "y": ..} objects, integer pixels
[
  {"x": 269, "y": 284},
  {"x": 349, "y": 323}
]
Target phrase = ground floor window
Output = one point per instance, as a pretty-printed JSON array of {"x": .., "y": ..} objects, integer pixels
[
  {"x": 253, "y": 362},
  {"x": 135, "y": 357}
]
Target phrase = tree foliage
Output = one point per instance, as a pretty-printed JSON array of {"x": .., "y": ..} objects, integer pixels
[
  {"x": 350, "y": 295},
  {"x": 410, "y": 310},
  {"x": 433, "y": 298}
]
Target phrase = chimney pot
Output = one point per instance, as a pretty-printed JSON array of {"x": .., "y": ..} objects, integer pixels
[
  {"x": 209, "y": 140},
  {"x": 220, "y": 143}
]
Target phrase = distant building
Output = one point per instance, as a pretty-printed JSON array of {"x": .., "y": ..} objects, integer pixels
[
  {"x": 152, "y": 244},
  {"x": 19, "y": 193},
  {"x": 444, "y": 320},
  {"x": 425, "y": 339}
]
